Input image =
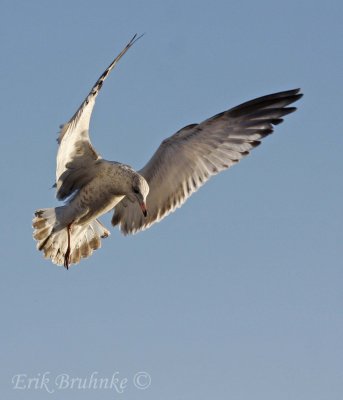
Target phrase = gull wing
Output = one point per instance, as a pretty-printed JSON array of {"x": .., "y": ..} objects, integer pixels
[
  {"x": 187, "y": 159},
  {"x": 76, "y": 157}
]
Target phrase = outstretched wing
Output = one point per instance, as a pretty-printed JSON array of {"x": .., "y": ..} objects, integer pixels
[
  {"x": 186, "y": 160},
  {"x": 76, "y": 157}
]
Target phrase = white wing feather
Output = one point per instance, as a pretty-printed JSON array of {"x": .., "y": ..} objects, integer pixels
[{"x": 76, "y": 157}]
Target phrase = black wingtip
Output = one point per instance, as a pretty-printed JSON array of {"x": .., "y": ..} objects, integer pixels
[
  {"x": 135, "y": 38},
  {"x": 279, "y": 99},
  {"x": 287, "y": 93},
  {"x": 297, "y": 94}
]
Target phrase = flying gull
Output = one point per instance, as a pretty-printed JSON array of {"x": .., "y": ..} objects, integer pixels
[{"x": 92, "y": 186}]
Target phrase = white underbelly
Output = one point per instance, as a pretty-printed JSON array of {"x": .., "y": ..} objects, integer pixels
[
  {"x": 114, "y": 201},
  {"x": 87, "y": 208}
]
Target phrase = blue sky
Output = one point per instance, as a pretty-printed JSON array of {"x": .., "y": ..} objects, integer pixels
[{"x": 239, "y": 293}]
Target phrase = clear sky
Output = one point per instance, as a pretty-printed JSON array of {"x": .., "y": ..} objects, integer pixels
[{"x": 238, "y": 294}]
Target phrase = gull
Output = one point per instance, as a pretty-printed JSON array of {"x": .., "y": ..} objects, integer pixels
[{"x": 92, "y": 186}]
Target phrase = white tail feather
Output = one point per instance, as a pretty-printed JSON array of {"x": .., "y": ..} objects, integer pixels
[{"x": 50, "y": 231}]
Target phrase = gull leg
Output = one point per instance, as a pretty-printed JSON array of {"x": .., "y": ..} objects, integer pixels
[{"x": 67, "y": 254}]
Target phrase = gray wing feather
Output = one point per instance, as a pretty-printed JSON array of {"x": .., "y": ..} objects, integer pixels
[{"x": 186, "y": 160}]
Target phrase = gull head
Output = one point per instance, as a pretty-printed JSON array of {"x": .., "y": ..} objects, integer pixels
[{"x": 139, "y": 192}]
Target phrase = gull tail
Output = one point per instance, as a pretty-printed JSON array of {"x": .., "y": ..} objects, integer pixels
[{"x": 50, "y": 231}]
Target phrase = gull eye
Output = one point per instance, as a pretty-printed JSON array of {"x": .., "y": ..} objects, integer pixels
[{"x": 135, "y": 190}]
